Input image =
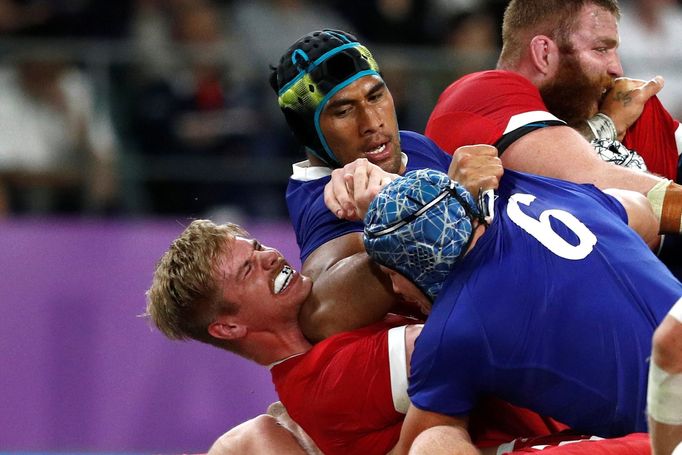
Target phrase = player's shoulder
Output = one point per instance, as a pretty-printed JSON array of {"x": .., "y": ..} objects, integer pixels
[{"x": 493, "y": 79}]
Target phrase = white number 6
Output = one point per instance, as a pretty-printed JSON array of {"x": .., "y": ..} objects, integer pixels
[{"x": 542, "y": 230}]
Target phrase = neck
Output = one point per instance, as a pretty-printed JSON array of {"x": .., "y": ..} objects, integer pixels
[
  {"x": 269, "y": 346},
  {"x": 525, "y": 68},
  {"x": 315, "y": 161}
]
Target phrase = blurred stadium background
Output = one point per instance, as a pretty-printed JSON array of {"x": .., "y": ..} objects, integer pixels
[{"x": 119, "y": 123}]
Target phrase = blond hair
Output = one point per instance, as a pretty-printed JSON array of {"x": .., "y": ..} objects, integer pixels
[
  {"x": 557, "y": 19},
  {"x": 186, "y": 295}
]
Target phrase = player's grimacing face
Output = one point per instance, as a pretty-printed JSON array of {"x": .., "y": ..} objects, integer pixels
[
  {"x": 360, "y": 122},
  {"x": 260, "y": 281}
]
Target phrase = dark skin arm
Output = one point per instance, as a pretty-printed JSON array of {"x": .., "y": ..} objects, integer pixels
[{"x": 350, "y": 291}]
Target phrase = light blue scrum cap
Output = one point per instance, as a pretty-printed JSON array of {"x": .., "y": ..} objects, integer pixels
[{"x": 420, "y": 225}]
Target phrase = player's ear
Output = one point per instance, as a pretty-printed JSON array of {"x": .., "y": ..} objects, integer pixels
[
  {"x": 544, "y": 54},
  {"x": 226, "y": 329}
]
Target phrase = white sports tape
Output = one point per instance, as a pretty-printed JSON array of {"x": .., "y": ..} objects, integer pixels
[
  {"x": 664, "y": 396},
  {"x": 656, "y": 196},
  {"x": 676, "y": 311}
]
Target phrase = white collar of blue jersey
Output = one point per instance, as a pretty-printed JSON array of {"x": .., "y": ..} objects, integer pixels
[{"x": 303, "y": 171}]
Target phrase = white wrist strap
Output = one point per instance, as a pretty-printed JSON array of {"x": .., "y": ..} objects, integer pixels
[
  {"x": 656, "y": 196},
  {"x": 664, "y": 396},
  {"x": 602, "y": 127},
  {"x": 664, "y": 393}
]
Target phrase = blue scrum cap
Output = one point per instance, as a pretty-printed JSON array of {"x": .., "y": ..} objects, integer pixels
[
  {"x": 313, "y": 70},
  {"x": 420, "y": 225}
]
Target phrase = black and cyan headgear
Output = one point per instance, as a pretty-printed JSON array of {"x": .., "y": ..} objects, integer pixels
[{"x": 313, "y": 70}]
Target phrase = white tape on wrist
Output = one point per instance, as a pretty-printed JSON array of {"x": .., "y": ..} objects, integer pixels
[
  {"x": 664, "y": 396},
  {"x": 656, "y": 196}
]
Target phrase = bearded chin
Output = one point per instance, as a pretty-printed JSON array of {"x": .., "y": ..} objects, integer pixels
[{"x": 572, "y": 95}]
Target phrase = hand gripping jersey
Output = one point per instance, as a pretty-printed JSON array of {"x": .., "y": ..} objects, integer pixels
[
  {"x": 553, "y": 309},
  {"x": 498, "y": 107},
  {"x": 488, "y": 107},
  {"x": 313, "y": 223},
  {"x": 653, "y": 137}
]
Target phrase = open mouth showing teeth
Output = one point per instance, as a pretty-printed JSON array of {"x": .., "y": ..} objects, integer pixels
[
  {"x": 379, "y": 149},
  {"x": 283, "y": 279}
]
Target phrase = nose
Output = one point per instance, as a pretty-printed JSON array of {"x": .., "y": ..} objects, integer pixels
[
  {"x": 371, "y": 120},
  {"x": 615, "y": 67},
  {"x": 268, "y": 258}
]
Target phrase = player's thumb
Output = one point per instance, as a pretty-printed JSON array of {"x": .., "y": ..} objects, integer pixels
[{"x": 653, "y": 86}]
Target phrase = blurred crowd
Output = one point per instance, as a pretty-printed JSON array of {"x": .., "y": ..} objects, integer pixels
[{"x": 162, "y": 107}]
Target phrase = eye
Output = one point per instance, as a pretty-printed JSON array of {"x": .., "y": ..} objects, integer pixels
[
  {"x": 342, "y": 111},
  {"x": 377, "y": 96}
]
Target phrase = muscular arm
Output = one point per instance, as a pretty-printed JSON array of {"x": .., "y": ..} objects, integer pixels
[
  {"x": 349, "y": 289},
  {"x": 560, "y": 152}
]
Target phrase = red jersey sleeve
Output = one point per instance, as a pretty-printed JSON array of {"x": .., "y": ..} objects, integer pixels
[{"x": 486, "y": 107}]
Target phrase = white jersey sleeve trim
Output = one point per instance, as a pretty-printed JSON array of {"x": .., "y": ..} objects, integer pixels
[
  {"x": 303, "y": 171},
  {"x": 520, "y": 120},
  {"x": 398, "y": 367}
]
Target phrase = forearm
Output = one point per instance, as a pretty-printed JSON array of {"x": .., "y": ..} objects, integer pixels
[
  {"x": 445, "y": 440},
  {"x": 664, "y": 396},
  {"x": 664, "y": 438},
  {"x": 560, "y": 152},
  {"x": 350, "y": 294},
  {"x": 426, "y": 432}
]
